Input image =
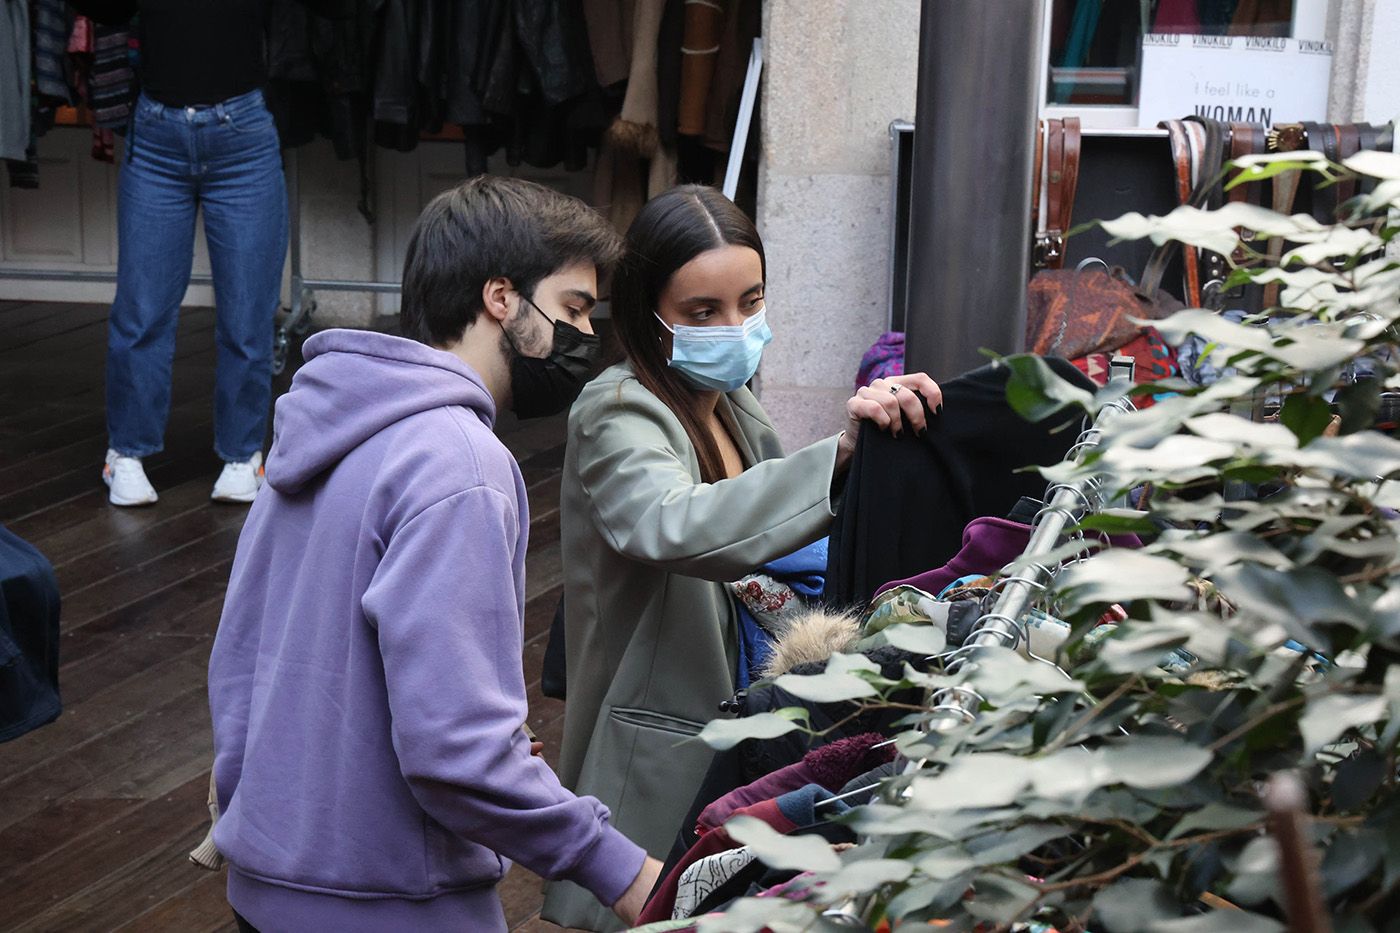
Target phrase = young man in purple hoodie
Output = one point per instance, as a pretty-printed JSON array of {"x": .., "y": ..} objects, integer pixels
[{"x": 366, "y": 686}]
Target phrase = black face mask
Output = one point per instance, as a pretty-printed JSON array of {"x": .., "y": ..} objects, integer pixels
[{"x": 546, "y": 386}]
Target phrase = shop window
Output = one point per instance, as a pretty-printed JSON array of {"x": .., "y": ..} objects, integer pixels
[{"x": 1095, "y": 46}]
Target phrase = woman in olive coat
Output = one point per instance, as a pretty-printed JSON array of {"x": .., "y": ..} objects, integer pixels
[{"x": 674, "y": 484}]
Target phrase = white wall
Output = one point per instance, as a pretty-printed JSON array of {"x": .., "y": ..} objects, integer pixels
[{"x": 837, "y": 72}]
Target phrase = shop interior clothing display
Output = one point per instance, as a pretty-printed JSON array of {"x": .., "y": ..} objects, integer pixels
[
  {"x": 29, "y": 633},
  {"x": 596, "y": 85}
]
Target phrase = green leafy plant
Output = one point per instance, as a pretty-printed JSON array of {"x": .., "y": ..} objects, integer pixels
[{"x": 1107, "y": 791}]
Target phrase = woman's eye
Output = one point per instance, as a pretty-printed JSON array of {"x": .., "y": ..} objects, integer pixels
[
  {"x": 704, "y": 314},
  {"x": 756, "y": 303}
]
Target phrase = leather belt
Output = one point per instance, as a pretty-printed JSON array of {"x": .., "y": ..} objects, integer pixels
[
  {"x": 1288, "y": 137},
  {"x": 1181, "y": 162},
  {"x": 1211, "y": 137},
  {"x": 1245, "y": 139},
  {"x": 1348, "y": 144},
  {"x": 1062, "y": 148},
  {"x": 1037, "y": 174}
]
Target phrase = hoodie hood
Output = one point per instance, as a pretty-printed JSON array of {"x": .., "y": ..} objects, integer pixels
[{"x": 354, "y": 385}]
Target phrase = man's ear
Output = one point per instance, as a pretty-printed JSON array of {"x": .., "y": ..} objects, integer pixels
[{"x": 495, "y": 297}]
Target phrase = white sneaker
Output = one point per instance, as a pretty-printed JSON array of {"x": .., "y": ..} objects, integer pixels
[
  {"x": 240, "y": 480},
  {"x": 127, "y": 481}
]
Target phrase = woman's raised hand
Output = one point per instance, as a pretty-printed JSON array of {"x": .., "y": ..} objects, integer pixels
[{"x": 895, "y": 404}]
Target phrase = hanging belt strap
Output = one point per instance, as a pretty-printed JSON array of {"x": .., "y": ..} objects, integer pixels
[
  {"x": 1245, "y": 139},
  {"x": 1037, "y": 176},
  {"x": 1062, "y": 146},
  {"x": 1181, "y": 164},
  {"x": 1348, "y": 144},
  {"x": 1369, "y": 138},
  {"x": 1286, "y": 137},
  {"x": 1322, "y": 137},
  {"x": 1211, "y": 140}
]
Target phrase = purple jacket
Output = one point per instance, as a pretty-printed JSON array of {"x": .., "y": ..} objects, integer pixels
[{"x": 366, "y": 684}]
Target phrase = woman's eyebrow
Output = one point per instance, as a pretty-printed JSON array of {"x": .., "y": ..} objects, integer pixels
[{"x": 714, "y": 301}]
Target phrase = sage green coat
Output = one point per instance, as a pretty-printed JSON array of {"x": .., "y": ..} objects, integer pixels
[{"x": 651, "y": 631}]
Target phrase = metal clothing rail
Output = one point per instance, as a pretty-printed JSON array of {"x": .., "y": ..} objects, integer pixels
[
  {"x": 296, "y": 319},
  {"x": 1067, "y": 504}
]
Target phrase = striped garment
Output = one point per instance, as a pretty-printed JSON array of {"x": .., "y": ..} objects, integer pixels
[
  {"x": 50, "y": 29},
  {"x": 112, "y": 82}
]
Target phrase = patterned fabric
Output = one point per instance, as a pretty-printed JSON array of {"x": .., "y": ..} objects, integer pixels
[
  {"x": 1155, "y": 361},
  {"x": 884, "y": 359},
  {"x": 1073, "y": 314},
  {"x": 904, "y": 605},
  {"x": 705, "y": 876},
  {"x": 765, "y": 599}
]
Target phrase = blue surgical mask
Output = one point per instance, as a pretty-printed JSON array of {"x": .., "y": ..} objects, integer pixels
[{"x": 720, "y": 359}]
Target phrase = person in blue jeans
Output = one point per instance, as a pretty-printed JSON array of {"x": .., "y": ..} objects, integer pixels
[{"x": 201, "y": 139}]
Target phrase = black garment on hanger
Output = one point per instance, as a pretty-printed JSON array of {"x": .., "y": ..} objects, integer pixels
[
  {"x": 28, "y": 639},
  {"x": 909, "y": 498}
]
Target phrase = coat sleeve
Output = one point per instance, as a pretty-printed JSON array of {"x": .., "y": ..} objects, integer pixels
[
  {"x": 646, "y": 503},
  {"x": 446, "y": 603}
]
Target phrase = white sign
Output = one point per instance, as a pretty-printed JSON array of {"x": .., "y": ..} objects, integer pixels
[{"x": 1235, "y": 79}]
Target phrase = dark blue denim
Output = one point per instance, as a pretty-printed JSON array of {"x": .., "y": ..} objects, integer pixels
[{"x": 224, "y": 159}]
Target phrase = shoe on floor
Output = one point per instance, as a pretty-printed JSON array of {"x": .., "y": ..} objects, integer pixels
[
  {"x": 126, "y": 480},
  {"x": 240, "y": 480}
]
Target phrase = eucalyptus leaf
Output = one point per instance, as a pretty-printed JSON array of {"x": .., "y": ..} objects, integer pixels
[
  {"x": 840, "y": 681},
  {"x": 755, "y": 914},
  {"x": 1330, "y": 715},
  {"x": 1306, "y": 416},
  {"x": 1351, "y": 856},
  {"x": 866, "y": 875},
  {"x": 918, "y": 639},
  {"x": 1133, "y": 904},
  {"x": 1001, "y": 899},
  {"x": 1257, "y": 872},
  {"x": 1219, "y": 921},
  {"x": 1214, "y": 817},
  {"x": 1122, "y": 575},
  {"x": 723, "y": 734},
  {"x": 1384, "y": 165},
  {"x": 991, "y": 779},
  {"x": 1035, "y": 392},
  {"x": 793, "y": 853}
]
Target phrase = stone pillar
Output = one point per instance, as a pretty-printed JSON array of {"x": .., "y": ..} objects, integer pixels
[
  {"x": 836, "y": 74},
  {"x": 1365, "y": 68}
]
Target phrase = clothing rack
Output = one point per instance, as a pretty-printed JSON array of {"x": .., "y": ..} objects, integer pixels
[
  {"x": 1067, "y": 503},
  {"x": 296, "y": 319}
]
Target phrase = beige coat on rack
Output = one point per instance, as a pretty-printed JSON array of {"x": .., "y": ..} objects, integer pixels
[
  {"x": 651, "y": 631},
  {"x": 632, "y": 164}
]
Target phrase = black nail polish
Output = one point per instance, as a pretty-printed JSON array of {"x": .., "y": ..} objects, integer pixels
[
  {"x": 939, "y": 409},
  {"x": 923, "y": 433}
]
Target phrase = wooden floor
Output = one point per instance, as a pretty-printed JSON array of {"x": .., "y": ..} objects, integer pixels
[{"x": 98, "y": 809}]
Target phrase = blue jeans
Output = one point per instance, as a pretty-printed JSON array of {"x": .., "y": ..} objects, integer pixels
[{"x": 227, "y": 160}]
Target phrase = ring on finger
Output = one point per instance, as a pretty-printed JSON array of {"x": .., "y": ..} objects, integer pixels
[{"x": 894, "y": 389}]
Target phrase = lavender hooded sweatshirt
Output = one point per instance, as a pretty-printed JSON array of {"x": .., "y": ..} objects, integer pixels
[{"x": 366, "y": 683}]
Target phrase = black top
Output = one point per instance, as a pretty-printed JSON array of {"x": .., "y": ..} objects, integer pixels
[{"x": 193, "y": 51}]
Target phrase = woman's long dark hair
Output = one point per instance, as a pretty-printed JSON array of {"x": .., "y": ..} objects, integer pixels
[{"x": 671, "y": 230}]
